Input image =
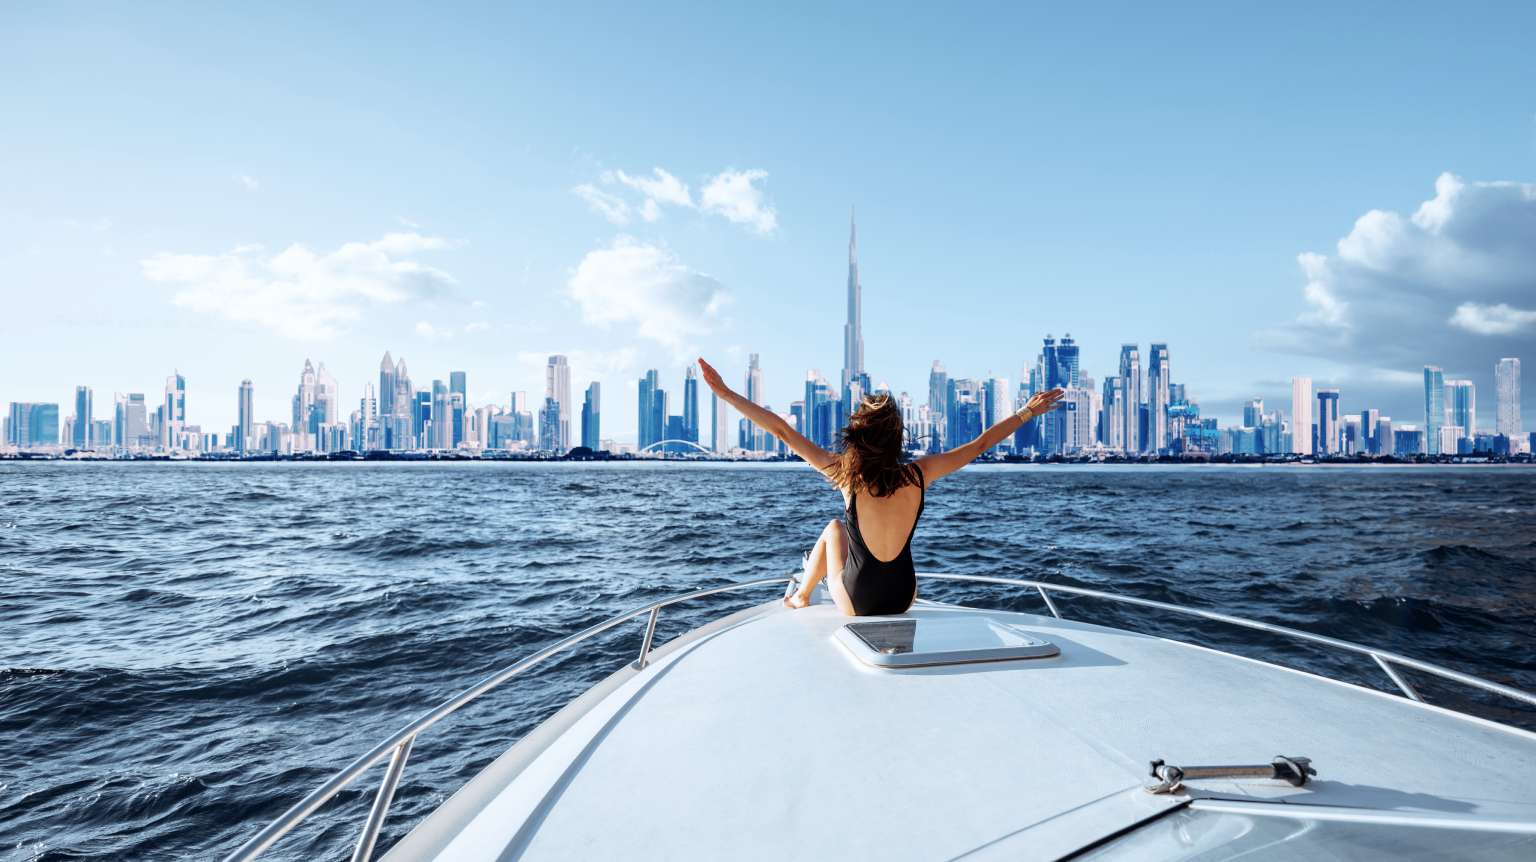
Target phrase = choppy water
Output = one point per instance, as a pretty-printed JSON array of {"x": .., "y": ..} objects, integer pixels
[{"x": 231, "y": 635}]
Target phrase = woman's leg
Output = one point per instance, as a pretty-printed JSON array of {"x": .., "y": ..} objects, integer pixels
[{"x": 826, "y": 561}]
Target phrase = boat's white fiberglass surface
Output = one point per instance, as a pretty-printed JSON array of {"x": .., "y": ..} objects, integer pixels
[{"x": 767, "y": 739}]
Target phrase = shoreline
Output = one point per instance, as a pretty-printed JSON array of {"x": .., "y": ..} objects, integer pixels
[{"x": 1522, "y": 460}]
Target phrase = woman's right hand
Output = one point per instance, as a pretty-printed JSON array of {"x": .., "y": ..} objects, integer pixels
[{"x": 1043, "y": 402}]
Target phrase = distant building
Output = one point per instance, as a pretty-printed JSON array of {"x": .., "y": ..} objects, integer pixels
[
  {"x": 964, "y": 406},
  {"x": 1127, "y": 418},
  {"x": 1329, "y": 430},
  {"x": 719, "y": 425},
  {"x": 1159, "y": 399},
  {"x": 458, "y": 399},
  {"x": 1434, "y": 406},
  {"x": 1460, "y": 409},
  {"x": 1506, "y": 418},
  {"x": 1301, "y": 415},
  {"x": 557, "y": 388},
  {"x": 1253, "y": 412},
  {"x": 652, "y": 409},
  {"x": 245, "y": 406},
  {"x": 82, "y": 418},
  {"x": 1450, "y": 435},
  {"x": 853, "y": 337},
  {"x": 1409, "y": 440},
  {"x": 821, "y": 410},
  {"x": 999, "y": 403},
  {"x": 691, "y": 405},
  {"x": 753, "y": 437},
  {"x": 1370, "y": 441},
  {"x": 591, "y": 417},
  {"x": 32, "y": 423},
  {"x": 938, "y": 393}
]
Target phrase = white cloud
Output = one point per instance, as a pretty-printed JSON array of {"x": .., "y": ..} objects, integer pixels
[
  {"x": 733, "y": 195},
  {"x": 299, "y": 293},
  {"x": 613, "y": 208},
  {"x": 432, "y": 333},
  {"x": 1447, "y": 286},
  {"x": 663, "y": 187},
  {"x": 478, "y": 326},
  {"x": 633, "y": 281},
  {"x": 1492, "y": 319},
  {"x": 248, "y": 181}
]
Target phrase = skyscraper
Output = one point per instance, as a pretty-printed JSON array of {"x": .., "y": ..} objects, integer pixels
[
  {"x": 645, "y": 432},
  {"x": 441, "y": 429},
  {"x": 456, "y": 387},
  {"x": 691, "y": 404},
  {"x": 963, "y": 406},
  {"x": 247, "y": 414},
  {"x": 1128, "y": 413},
  {"x": 1253, "y": 412},
  {"x": 1329, "y": 430},
  {"x": 1506, "y": 419},
  {"x": 1461, "y": 408},
  {"x": 83, "y": 417},
  {"x": 719, "y": 425},
  {"x": 1158, "y": 397},
  {"x": 304, "y": 424},
  {"x": 998, "y": 405},
  {"x": 171, "y": 416},
  {"x": 591, "y": 413},
  {"x": 1371, "y": 443},
  {"x": 33, "y": 423},
  {"x": 853, "y": 336},
  {"x": 938, "y": 388},
  {"x": 387, "y": 406},
  {"x": 753, "y": 436},
  {"x": 1434, "y": 407},
  {"x": 1301, "y": 415},
  {"x": 557, "y": 387}
]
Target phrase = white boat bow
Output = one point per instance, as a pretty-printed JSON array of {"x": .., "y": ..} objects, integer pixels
[{"x": 770, "y": 734}]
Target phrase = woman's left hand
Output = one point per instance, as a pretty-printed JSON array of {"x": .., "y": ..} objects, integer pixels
[{"x": 712, "y": 379}]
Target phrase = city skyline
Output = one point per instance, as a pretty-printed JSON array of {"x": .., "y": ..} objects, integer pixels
[
  {"x": 1257, "y": 221},
  {"x": 1137, "y": 412},
  {"x": 1140, "y": 410}
]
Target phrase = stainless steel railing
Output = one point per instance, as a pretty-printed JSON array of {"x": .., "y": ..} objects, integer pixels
[
  {"x": 1384, "y": 659},
  {"x": 398, "y": 746}
]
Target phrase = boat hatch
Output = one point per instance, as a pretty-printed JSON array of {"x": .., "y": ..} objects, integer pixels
[{"x": 921, "y": 642}]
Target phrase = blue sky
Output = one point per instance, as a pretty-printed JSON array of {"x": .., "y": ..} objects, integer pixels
[{"x": 229, "y": 191}]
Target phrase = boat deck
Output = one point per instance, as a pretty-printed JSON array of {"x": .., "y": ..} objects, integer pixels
[{"x": 761, "y": 737}]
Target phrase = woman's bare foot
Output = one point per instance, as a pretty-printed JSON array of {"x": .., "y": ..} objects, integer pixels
[{"x": 797, "y": 600}]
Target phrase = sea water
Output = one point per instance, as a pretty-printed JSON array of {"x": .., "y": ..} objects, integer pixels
[{"x": 189, "y": 649}]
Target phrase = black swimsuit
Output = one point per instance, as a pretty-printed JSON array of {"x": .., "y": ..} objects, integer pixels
[{"x": 874, "y": 586}]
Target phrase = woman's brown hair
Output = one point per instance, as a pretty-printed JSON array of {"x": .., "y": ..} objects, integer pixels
[{"x": 869, "y": 450}]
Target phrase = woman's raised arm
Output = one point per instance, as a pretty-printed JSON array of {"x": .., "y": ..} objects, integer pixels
[
  {"x": 814, "y": 455},
  {"x": 935, "y": 467}
]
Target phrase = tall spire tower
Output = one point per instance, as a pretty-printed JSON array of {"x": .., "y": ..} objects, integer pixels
[{"x": 853, "y": 336}]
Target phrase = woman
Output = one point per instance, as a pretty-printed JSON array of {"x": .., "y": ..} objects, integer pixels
[{"x": 868, "y": 562}]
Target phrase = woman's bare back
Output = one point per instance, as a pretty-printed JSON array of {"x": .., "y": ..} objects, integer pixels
[{"x": 886, "y": 522}]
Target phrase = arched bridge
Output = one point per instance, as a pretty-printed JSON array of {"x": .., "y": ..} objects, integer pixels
[{"x": 652, "y": 447}]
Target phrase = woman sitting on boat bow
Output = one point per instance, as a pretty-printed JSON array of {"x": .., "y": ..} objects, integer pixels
[{"x": 868, "y": 561}]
